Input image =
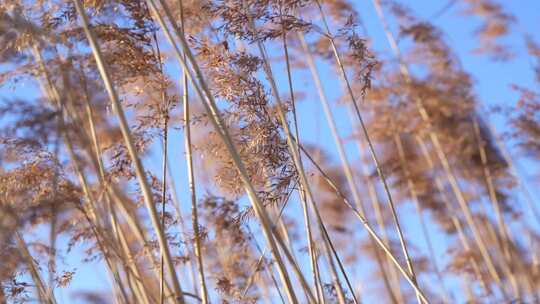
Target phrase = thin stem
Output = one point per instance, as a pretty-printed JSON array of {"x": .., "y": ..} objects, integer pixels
[
  {"x": 165, "y": 113},
  {"x": 44, "y": 296},
  {"x": 505, "y": 234},
  {"x": 367, "y": 226},
  {"x": 414, "y": 195},
  {"x": 217, "y": 121},
  {"x": 341, "y": 150},
  {"x": 54, "y": 98},
  {"x": 311, "y": 245},
  {"x": 371, "y": 148},
  {"x": 514, "y": 170},
  {"x": 263, "y": 253},
  {"x": 191, "y": 175},
  {"x": 376, "y": 205},
  {"x": 452, "y": 213},
  {"x": 291, "y": 142},
  {"x": 183, "y": 232},
  {"x": 404, "y": 70},
  {"x": 126, "y": 134}
]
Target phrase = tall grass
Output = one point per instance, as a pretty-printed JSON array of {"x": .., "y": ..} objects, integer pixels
[{"x": 150, "y": 108}]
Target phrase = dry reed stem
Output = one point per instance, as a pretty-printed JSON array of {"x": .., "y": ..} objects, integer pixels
[
  {"x": 440, "y": 153},
  {"x": 294, "y": 150},
  {"x": 126, "y": 134},
  {"x": 44, "y": 295},
  {"x": 54, "y": 97},
  {"x": 311, "y": 246},
  {"x": 414, "y": 195},
  {"x": 376, "y": 205},
  {"x": 215, "y": 117},
  {"x": 191, "y": 175},
  {"x": 452, "y": 212},
  {"x": 341, "y": 151},
  {"x": 371, "y": 148},
  {"x": 368, "y": 227}
]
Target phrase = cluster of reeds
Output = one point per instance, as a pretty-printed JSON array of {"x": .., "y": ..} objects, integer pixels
[{"x": 166, "y": 140}]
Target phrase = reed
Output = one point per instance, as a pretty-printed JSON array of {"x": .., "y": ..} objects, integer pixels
[{"x": 198, "y": 152}]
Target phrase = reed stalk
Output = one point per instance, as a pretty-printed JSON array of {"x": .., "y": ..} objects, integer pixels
[
  {"x": 126, "y": 134},
  {"x": 209, "y": 104},
  {"x": 344, "y": 77},
  {"x": 434, "y": 138}
]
